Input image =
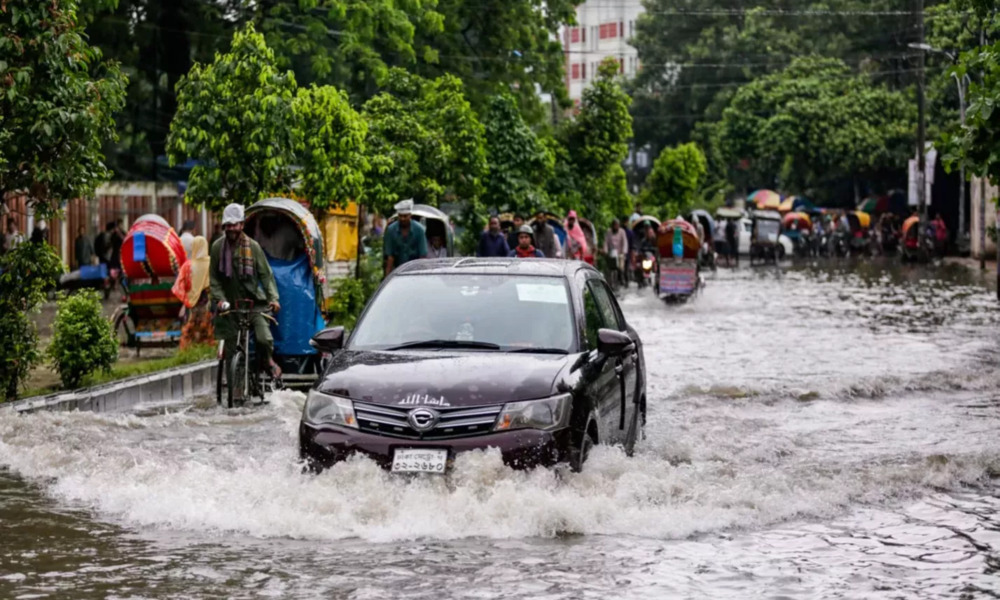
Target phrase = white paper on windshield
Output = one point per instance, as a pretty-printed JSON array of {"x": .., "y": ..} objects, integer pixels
[{"x": 541, "y": 292}]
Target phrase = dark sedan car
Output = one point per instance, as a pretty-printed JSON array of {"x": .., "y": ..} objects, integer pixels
[{"x": 532, "y": 357}]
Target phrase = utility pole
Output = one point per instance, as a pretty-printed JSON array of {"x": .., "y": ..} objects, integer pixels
[
  {"x": 921, "y": 132},
  {"x": 961, "y": 176}
]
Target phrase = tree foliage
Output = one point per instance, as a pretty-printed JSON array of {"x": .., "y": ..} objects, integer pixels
[
  {"x": 83, "y": 341},
  {"x": 425, "y": 142},
  {"x": 236, "y": 117},
  {"x": 596, "y": 143},
  {"x": 519, "y": 162},
  {"x": 813, "y": 122},
  {"x": 57, "y": 98},
  {"x": 331, "y": 151},
  {"x": 977, "y": 145},
  {"x": 678, "y": 175},
  {"x": 512, "y": 45},
  {"x": 29, "y": 272},
  {"x": 347, "y": 43},
  {"x": 253, "y": 132}
]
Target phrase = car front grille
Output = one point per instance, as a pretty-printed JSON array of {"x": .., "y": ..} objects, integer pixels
[{"x": 453, "y": 422}]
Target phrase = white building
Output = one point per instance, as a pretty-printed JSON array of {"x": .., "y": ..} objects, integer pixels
[{"x": 604, "y": 28}]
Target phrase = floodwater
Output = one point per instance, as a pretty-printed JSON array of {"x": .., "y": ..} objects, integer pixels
[{"x": 816, "y": 431}]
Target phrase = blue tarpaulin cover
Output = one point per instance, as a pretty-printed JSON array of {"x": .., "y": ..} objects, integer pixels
[
  {"x": 300, "y": 317},
  {"x": 139, "y": 246}
]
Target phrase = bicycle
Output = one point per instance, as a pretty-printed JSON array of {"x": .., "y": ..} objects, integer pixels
[{"x": 244, "y": 379}]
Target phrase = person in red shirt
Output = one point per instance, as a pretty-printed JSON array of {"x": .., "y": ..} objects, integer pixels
[{"x": 525, "y": 244}]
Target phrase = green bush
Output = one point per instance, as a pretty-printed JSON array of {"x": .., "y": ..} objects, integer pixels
[
  {"x": 83, "y": 341},
  {"x": 27, "y": 274},
  {"x": 353, "y": 293}
]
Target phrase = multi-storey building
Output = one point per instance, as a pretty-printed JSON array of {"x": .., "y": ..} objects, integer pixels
[{"x": 603, "y": 29}]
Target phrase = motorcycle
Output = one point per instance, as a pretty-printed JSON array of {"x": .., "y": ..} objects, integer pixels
[{"x": 644, "y": 270}]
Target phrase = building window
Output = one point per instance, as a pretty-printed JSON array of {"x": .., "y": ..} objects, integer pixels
[
  {"x": 609, "y": 30},
  {"x": 583, "y": 34},
  {"x": 575, "y": 71},
  {"x": 621, "y": 28},
  {"x": 583, "y": 71},
  {"x": 631, "y": 29},
  {"x": 621, "y": 65},
  {"x": 574, "y": 35}
]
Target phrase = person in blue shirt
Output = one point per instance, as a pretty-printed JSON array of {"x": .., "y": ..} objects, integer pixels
[
  {"x": 492, "y": 242},
  {"x": 525, "y": 244},
  {"x": 405, "y": 239}
]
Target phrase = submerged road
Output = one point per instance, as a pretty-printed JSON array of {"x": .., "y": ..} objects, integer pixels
[{"x": 822, "y": 431}]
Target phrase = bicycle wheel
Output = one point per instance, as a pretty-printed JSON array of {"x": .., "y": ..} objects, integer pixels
[
  {"x": 220, "y": 378},
  {"x": 238, "y": 380}
]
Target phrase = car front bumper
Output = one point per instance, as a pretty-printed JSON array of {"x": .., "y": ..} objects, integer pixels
[{"x": 323, "y": 446}]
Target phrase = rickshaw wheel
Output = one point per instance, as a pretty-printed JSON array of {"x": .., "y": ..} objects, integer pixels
[{"x": 123, "y": 327}]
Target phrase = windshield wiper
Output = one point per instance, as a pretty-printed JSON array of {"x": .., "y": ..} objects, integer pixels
[
  {"x": 540, "y": 351},
  {"x": 446, "y": 344}
]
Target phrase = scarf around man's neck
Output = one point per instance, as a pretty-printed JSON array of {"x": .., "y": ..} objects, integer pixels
[{"x": 244, "y": 254}]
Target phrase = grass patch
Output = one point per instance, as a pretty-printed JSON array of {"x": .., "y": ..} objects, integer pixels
[{"x": 124, "y": 370}]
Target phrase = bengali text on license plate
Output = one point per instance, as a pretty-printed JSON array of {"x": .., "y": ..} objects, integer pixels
[{"x": 409, "y": 460}]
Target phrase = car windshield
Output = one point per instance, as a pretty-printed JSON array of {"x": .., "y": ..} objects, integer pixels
[{"x": 488, "y": 312}]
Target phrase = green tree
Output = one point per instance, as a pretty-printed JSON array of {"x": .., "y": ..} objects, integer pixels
[
  {"x": 813, "y": 123},
  {"x": 519, "y": 163},
  {"x": 507, "y": 44},
  {"x": 425, "y": 142},
  {"x": 236, "y": 117},
  {"x": 677, "y": 177},
  {"x": 596, "y": 144},
  {"x": 976, "y": 145},
  {"x": 347, "y": 43},
  {"x": 57, "y": 98},
  {"x": 27, "y": 274},
  {"x": 331, "y": 152}
]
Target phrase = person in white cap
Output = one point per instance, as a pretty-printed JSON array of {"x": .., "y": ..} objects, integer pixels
[
  {"x": 405, "y": 239},
  {"x": 239, "y": 271}
]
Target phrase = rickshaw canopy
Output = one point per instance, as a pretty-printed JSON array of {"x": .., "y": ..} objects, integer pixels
[
  {"x": 859, "y": 220},
  {"x": 689, "y": 235},
  {"x": 728, "y": 213},
  {"x": 435, "y": 221},
  {"x": 707, "y": 222},
  {"x": 765, "y": 199},
  {"x": 801, "y": 219},
  {"x": 909, "y": 224},
  {"x": 305, "y": 224}
]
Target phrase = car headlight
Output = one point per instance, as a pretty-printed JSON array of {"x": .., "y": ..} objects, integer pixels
[
  {"x": 647, "y": 264},
  {"x": 550, "y": 413},
  {"x": 324, "y": 409}
]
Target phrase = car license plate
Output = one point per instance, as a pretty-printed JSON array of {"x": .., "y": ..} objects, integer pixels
[{"x": 413, "y": 460}]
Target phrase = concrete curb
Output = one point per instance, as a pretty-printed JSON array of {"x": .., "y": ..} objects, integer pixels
[{"x": 170, "y": 385}]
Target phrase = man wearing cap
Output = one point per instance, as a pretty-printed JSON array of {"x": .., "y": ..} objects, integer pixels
[
  {"x": 525, "y": 248},
  {"x": 405, "y": 239},
  {"x": 239, "y": 271}
]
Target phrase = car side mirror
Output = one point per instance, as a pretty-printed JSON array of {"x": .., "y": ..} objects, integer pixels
[
  {"x": 330, "y": 339},
  {"x": 613, "y": 343}
]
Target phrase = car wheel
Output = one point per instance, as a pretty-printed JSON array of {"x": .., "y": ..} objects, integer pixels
[{"x": 580, "y": 452}]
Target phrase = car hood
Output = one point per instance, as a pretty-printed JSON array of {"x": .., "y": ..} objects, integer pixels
[{"x": 443, "y": 378}]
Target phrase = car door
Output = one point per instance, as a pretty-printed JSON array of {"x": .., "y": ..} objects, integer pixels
[
  {"x": 603, "y": 385},
  {"x": 624, "y": 366}
]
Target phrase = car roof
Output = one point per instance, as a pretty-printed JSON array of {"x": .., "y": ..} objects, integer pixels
[{"x": 552, "y": 267}]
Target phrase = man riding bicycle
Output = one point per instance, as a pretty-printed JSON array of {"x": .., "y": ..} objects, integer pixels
[{"x": 240, "y": 273}]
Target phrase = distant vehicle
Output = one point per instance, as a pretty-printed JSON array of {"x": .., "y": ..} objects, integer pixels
[
  {"x": 766, "y": 245},
  {"x": 435, "y": 221},
  {"x": 533, "y": 357},
  {"x": 678, "y": 275}
]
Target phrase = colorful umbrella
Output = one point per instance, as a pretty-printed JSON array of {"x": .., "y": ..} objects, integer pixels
[
  {"x": 766, "y": 199},
  {"x": 875, "y": 204},
  {"x": 864, "y": 219}
]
